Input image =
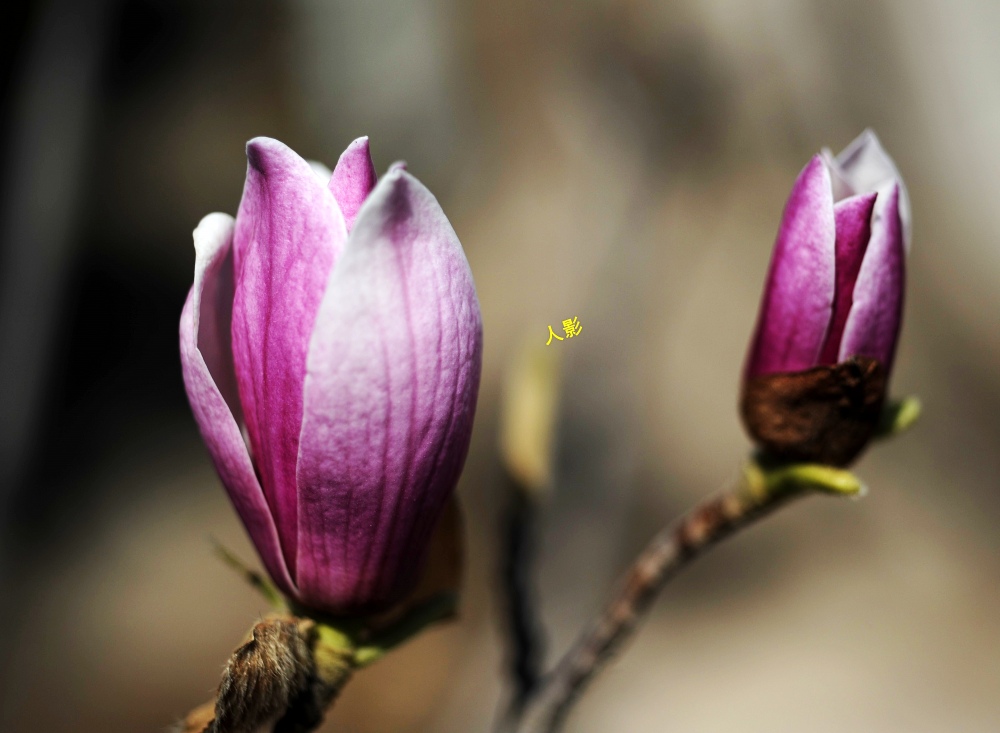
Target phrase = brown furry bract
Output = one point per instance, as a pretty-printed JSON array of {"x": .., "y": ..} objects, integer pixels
[{"x": 826, "y": 414}]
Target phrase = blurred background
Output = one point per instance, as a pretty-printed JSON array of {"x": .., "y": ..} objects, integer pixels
[{"x": 621, "y": 161}]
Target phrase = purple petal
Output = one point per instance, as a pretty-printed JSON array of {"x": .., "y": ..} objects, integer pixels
[
  {"x": 853, "y": 217},
  {"x": 289, "y": 232},
  {"x": 353, "y": 179},
  {"x": 876, "y": 315},
  {"x": 798, "y": 298},
  {"x": 207, "y": 365},
  {"x": 391, "y": 389},
  {"x": 865, "y": 167}
]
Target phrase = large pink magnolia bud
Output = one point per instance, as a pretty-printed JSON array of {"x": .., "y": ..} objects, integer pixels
[
  {"x": 816, "y": 375},
  {"x": 331, "y": 346}
]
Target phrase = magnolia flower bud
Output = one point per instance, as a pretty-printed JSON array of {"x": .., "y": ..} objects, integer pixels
[
  {"x": 331, "y": 347},
  {"x": 816, "y": 374}
]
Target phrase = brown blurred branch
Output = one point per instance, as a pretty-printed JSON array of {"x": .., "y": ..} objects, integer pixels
[
  {"x": 527, "y": 429},
  {"x": 526, "y": 651},
  {"x": 761, "y": 491}
]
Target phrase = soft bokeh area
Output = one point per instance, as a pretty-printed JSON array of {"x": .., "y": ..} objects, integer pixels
[{"x": 620, "y": 161}]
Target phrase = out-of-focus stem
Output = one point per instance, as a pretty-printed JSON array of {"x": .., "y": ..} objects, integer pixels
[
  {"x": 525, "y": 654},
  {"x": 527, "y": 434},
  {"x": 761, "y": 491}
]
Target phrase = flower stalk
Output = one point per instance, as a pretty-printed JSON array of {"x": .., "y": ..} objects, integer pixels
[{"x": 763, "y": 487}]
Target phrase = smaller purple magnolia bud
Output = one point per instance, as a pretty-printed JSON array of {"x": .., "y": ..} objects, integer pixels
[
  {"x": 819, "y": 363},
  {"x": 331, "y": 347}
]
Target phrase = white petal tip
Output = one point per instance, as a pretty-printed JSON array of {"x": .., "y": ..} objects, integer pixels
[
  {"x": 210, "y": 229},
  {"x": 322, "y": 172}
]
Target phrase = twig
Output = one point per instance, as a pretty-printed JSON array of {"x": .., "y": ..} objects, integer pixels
[
  {"x": 527, "y": 432},
  {"x": 526, "y": 651},
  {"x": 761, "y": 492}
]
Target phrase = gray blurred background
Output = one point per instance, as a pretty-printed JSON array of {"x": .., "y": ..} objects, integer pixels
[{"x": 622, "y": 161}]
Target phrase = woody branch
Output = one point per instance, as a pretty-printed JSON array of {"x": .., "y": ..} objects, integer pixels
[{"x": 759, "y": 493}]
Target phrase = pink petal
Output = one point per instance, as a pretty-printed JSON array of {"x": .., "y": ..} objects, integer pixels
[
  {"x": 353, "y": 179},
  {"x": 207, "y": 365},
  {"x": 796, "y": 307},
  {"x": 873, "y": 324},
  {"x": 393, "y": 375},
  {"x": 853, "y": 217},
  {"x": 866, "y": 167},
  {"x": 289, "y": 231}
]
